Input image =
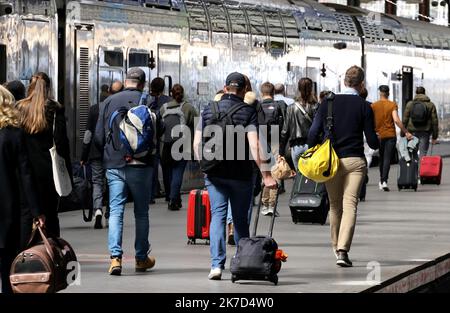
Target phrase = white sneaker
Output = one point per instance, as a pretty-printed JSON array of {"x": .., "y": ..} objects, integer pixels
[
  {"x": 380, "y": 185},
  {"x": 215, "y": 274},
  {"x": 270, "y": 211},
  {"x": 265, "y": 210},
  {"x": 385, "y": 186}
]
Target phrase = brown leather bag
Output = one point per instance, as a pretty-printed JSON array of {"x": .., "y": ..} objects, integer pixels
[{"x": 42, "y": 267}]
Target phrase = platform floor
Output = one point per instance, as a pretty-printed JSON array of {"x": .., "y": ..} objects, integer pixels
[{"x": 397, "y": 230}]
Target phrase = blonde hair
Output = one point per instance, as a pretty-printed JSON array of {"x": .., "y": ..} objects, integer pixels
[
  {"x": 32, "y": 108},
  {"x": 9, "y": 116}
]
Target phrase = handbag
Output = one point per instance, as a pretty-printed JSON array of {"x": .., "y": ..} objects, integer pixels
[
  {"x": 320, "y": 163},
  {"x": 81, "y": 196},
  {"x": 61, "y": 178},
  {"x": 44, "y": 267},
  {"x": 281, "y": 170}
]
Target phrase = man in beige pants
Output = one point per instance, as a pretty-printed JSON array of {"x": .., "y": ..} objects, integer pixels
[{"x": 351, "y": 117}]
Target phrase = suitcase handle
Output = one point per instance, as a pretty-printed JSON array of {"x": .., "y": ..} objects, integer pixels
[{"x": 258, "y": 211}]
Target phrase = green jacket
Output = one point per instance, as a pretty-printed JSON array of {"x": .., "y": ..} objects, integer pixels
[{"x": 432, "y": 125}]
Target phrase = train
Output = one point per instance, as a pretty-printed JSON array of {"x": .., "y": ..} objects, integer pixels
[{"x": 85, "y": 44}]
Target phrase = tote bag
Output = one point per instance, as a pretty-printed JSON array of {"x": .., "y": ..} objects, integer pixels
[
  {"x": 320, "y": 163},
  {"x": 61, "y": 177}
]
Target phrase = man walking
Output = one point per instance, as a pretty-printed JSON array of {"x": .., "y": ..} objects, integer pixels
[
  {"x": 420, "y": 118},
  {"x": 386, "y": 117},
  {"x": 126, "y": 174}
]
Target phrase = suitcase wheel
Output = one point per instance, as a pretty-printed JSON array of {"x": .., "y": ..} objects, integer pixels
[
  {"x": 415, "y": 189},
  {"x": 233, "y": 278},
  {"x": 274, "y": 280}
]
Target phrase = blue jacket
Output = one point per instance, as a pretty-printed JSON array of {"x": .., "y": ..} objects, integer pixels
[{"x": 352, "y": 116}]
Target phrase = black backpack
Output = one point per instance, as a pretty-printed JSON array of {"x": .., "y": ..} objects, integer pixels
[
  {"x": 419, "y": 113},
  {"x": 269, "y": 113},
  {"x": 221, "y": 119}
]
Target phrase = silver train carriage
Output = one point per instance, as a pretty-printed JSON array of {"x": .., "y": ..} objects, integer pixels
[{"x": 86, "y": 44}]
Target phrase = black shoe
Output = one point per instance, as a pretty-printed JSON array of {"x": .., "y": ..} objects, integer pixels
[
  {"x": 231, "y": 241},
  {"x": 343, "y": 259},
  {"x": 152, "y": 201},
  {"x": 98, "y": 222},
  {"x": 172, "y": 206}
]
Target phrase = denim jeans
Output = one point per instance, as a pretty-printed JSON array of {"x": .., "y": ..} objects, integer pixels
[
  {"x": 240, "y": 194},
  {"x": 229, "y": 214},
  {"x": 387, "y": 146},
  {"x": 98, "y": 175},
  {"x": 138, "y": 181},
  {"x": 173, "y": 179},
  {"x": 155, "y": 182},
  {"x": 296, "y": 151},
  {"x": 424, "y": 142}
]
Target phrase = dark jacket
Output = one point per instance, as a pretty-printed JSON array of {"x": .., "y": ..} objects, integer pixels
[
  {"x": 432, "y": 125},
  {"x": 296, "y": 126},
  {"x": 15, "y": 172},
  {"x": 90, "y": 151},
  {"x": 352, "y": 116},
  {"x": 156, "y": 102},
  {"x": 281, "y": 108},
  {"x": 233, "y": 169},
  {"x": 38, "y": 146},
  {"x": 114, "y": 152}
]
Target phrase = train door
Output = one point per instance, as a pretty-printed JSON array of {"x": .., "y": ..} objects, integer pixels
[
  {"x": 312, "y": 71},
  {"x": 36, "y": 52},
  {"x": 111, "y": 67},
  {"x": 407, "y": 86},
  {"x": 169, "y": 59},
  {"x": 140, "y": 58},
  {"x": 2, "y": 64},
  {"x": 83, "y": 91}
]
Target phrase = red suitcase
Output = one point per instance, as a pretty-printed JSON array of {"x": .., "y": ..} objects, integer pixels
[
  {"x": 198, "y": 216},
  {"x": 431, "y": 169}
]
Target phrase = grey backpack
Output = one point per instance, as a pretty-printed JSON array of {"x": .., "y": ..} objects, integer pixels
[{"x": 173, "y": 117}]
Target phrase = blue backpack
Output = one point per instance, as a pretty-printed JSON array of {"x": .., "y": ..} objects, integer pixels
[{"x": 136, "y": 129}]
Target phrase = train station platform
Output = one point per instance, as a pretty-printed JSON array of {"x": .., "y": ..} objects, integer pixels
[{"x": 396, "y": 232}]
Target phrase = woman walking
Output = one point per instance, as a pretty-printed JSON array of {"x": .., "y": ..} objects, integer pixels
[{"x": 44, "y": 122}]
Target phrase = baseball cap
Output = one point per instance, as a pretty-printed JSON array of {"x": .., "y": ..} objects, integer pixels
[
  {"x": 235, "y": 80},
  {"x": 136, "y": 73},
  {"x": 384, "y": 88}
]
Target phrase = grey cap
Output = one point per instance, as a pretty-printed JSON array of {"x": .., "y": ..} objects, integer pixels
[{"x": 136, "y": 73}]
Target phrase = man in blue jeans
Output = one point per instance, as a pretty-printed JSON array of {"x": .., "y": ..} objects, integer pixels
[
  {"x": 232, "y": 179},
  {"x": 126, "y": 175}
]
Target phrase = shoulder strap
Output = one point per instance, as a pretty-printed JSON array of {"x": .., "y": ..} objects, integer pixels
[
  {"x": 233, "y": 109},
  {"x": 143, "y": 100},
  {"x": 215, "y": 109},
  {"x": 330, "y": 99},
  {"x": 300, "y": 107}
]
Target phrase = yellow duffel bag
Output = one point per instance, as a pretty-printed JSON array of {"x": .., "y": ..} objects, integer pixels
[{"x": 319, "y": 163}]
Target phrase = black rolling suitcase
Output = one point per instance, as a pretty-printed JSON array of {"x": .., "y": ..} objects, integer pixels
[
  {"x": 257, "y": 257},
  {"x": 309, "y": 201},
  {"x": 408, "y": 172}
]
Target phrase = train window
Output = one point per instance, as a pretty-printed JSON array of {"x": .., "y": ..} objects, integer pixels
[
  {"x": 257, "y": 28},
  {"x": 219, "y": 23},
  {"x": 238, "y": 21},
  {"x": 112, "y": 58},
  {"x": 275, "y": 32},
  {"x": 239, "y": 27},
  {"x": 2, "y": 64},
  {"x": 290, "y": 26},
  {"x": 197, "y": 21},
  {"x": 257, "y": 25},
  {"x": 138, "y": 59}
]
